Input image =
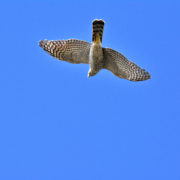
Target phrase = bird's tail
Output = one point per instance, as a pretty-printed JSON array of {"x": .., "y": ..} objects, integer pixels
[{"x": 97, "y": 30}]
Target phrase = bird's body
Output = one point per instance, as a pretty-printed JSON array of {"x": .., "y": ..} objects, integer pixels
[
  {"x": 77, "y": 51},
  {"x": 95, "y": 59}
]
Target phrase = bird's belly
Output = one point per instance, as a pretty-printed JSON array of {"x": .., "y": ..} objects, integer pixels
[{"x": 96, "y": 57}]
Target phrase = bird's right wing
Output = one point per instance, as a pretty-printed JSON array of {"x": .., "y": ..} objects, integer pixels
[
  {"x": 122, "y": 67},
  {"x": 72, "y": 50}
]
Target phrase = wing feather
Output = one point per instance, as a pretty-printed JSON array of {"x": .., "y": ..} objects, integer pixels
[
  {"x": 122, "y": 67},
  {"x": 72, "y": 50}
]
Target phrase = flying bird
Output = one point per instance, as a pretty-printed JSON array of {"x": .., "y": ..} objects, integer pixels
[{"x": 77, "y": 51}]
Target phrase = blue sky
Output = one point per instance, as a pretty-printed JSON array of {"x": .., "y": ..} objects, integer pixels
[{"x": 56, "y": 124}]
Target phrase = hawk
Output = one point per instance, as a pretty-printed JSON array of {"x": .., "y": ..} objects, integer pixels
[{"x": 77, "y": 51}]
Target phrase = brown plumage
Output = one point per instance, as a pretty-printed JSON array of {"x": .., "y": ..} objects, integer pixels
[{"x": 77, "y": 51}]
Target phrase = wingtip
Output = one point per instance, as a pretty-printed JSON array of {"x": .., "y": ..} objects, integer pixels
[
  {"x": 145, "y": 77},
  {"x": 148, "y": 76},
  {"x": 41, "y": 43}
]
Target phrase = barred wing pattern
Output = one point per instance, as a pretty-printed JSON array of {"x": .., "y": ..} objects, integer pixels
[
  {"x": 72, "y": 50},
  {"x": 122, "y": 67}
]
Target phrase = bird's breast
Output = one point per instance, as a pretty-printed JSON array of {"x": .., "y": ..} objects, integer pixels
[{"x": 96, "y": 54}]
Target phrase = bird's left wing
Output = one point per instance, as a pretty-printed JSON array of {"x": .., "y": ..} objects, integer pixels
[{"x": 72, "y": 50}]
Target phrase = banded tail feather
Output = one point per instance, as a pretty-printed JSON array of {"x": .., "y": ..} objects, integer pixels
[{"x": 97, "y": 30}]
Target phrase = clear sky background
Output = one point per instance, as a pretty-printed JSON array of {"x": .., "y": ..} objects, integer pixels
[{"x": 56, "y": 124}]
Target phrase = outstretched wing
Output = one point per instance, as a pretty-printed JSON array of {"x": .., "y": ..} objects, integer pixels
[
  {"x": 122, "y": 67},
  {"x": 72, "y": 50}
]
